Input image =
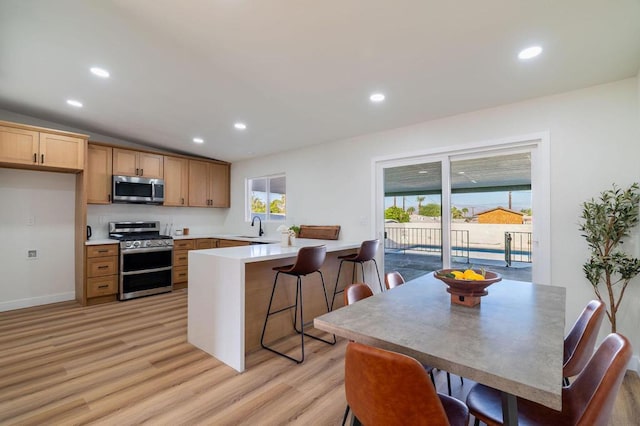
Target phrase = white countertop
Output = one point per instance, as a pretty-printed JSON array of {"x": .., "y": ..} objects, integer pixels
[
  {"x": 261, "y": 240},
  {"x": 99, "y": 241},
  {"x": 262, "y": 252}
]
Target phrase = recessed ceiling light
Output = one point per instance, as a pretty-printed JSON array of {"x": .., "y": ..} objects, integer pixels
[
  {"x": 474, "y": 181},
  {"x": 74, "y": 103},
  {"x": 376, "y": 97},
  {"x": 198, "y": 140},
  {"x": 100, "y": 72},
  {"x": 530, "y": 52},
  {"x": 423, "y": 172},
  {"x": 460, "y": 173},
  {"x": 240, "y": 126}
]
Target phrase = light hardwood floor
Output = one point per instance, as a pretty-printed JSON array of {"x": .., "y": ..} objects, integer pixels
[{"x": 129, "y": 363}]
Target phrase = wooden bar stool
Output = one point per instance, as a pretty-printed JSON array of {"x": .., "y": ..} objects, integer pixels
[
  {"x": 367, "y": 253},
  {"x": 308, "y": 261}
]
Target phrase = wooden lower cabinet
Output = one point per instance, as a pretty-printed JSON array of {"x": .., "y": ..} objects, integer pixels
[
  {"x": 181, "y": 261},
  {"x": 101, "y": 263},
  {"x": 232, "y": 243},
  {"x": 181, "y": 255}
]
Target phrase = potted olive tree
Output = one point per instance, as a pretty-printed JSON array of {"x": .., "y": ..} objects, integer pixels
[{"x": 606, "y": 222}]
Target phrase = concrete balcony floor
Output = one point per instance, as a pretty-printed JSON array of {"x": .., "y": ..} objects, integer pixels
[{"x": 414, "y": 265}]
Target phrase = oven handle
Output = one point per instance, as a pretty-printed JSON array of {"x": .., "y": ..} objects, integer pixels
[
  {"x": 145, "y": 250},
  {"x": 146, "y": 271}
]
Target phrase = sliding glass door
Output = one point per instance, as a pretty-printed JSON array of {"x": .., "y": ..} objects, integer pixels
[{"x": 471, "y": 208}]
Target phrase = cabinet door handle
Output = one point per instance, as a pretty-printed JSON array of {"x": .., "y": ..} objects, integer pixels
[
  {"x": 35, "y": 157},
  {"x": 109, "y": 197},
  {"x": 103, "y": 286},
  {"x": 141, "y": 172},
  {"x": 103, "y": 267},
  {"x": 182, "y": 202},
  {"x": 42, "y": 158},
  {"x": 103, "y": 251}
]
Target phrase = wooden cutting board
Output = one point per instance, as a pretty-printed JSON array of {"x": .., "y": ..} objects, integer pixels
[{"x": 319, "y": 232}]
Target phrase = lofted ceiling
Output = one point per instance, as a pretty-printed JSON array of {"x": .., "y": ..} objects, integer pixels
[{"x": 297, "y": 72}]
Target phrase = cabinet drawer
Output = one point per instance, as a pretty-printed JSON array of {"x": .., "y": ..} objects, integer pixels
[
  {"x": 102, "y": 266},
  {"x": 102, "y": 286},
  {"x": 206, "y": 243},
  {"x": 184, "y": 244},
  {"x": 232, "y": 243},
  {"x": 102, "y": 250},
  {"x": 180, "y": 274},
  {"x": 180, "y": 258}
]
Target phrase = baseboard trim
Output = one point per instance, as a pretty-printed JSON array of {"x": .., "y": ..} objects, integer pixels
[{"x": 36, "y": 301}]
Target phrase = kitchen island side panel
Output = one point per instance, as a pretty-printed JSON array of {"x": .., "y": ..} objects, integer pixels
[{"x": 216, "y": 307}]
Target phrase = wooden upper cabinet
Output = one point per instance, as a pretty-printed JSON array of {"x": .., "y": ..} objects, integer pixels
[
  {"x": 99, "y": 166},
  {"x": 40, "y": 149},
  {"x": 220, "y": 185},
  {"x": 199, "y": 183},
  {"x": 208, "y": 184},
  {"x": 59, "y": 151},
  {"x": 134, "y": 163},
  {"x": 176, "y": 181},
  {"x": 18, "y": 146}
]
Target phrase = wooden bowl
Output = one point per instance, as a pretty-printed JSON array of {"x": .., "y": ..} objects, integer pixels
[{"x": 467, "y": 292}]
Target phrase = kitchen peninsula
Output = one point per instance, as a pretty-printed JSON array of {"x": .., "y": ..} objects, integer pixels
[{"x": 229, "y": 290}]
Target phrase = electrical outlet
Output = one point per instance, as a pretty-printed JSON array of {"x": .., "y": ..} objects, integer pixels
[{"x": 32, "y": 254}]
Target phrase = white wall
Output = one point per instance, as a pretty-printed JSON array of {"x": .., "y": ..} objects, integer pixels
[
  {"x": 594, "y": 135},
  {"x": 36, "y": 212}
]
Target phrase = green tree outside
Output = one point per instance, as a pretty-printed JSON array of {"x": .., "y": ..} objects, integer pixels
[
  {"x": 278, "y": 205},
  {"x": 257, "y": 205},
  {"x": 396, "y": 213},
  {"x": 431, "y": 209},
  {"x": 456, "y": 213}
]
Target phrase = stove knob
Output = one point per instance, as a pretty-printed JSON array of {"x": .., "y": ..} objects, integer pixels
[
  {"x": 127, "y": 244},
  {"x": 136, "y": 244}
]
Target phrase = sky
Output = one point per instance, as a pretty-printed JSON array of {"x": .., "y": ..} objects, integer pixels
[{"x": 474, "y": 202}]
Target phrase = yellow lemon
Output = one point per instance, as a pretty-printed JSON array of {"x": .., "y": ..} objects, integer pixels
[
  {"x": 469, "y": 274},
  {"x": 458, "y": 274}
]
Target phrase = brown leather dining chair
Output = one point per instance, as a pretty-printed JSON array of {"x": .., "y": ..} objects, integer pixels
[
  {"x": 394, "y": 279},
  {"x": 579, "y": 343},
  {"x": 359, "y": 291},
  {"x": 588, "y": 401},
  {"x": 388, "y": 388}
]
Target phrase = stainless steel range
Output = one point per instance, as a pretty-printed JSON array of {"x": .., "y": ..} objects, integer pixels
[{"x": 146, "y": 258}]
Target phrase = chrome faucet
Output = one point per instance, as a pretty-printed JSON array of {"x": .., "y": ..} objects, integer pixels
[{"x": 253, "y": 221}]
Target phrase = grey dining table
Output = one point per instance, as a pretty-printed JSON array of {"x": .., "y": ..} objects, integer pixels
[{"x": 512, "y": 341}]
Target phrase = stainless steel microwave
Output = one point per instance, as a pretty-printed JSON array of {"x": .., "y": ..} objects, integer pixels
[{"x": 134, "y": 189}]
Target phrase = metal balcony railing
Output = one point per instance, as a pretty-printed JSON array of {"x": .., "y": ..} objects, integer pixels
[
  {"x": 517, "y": 245},
  {"x": 426, "y": 240}
]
